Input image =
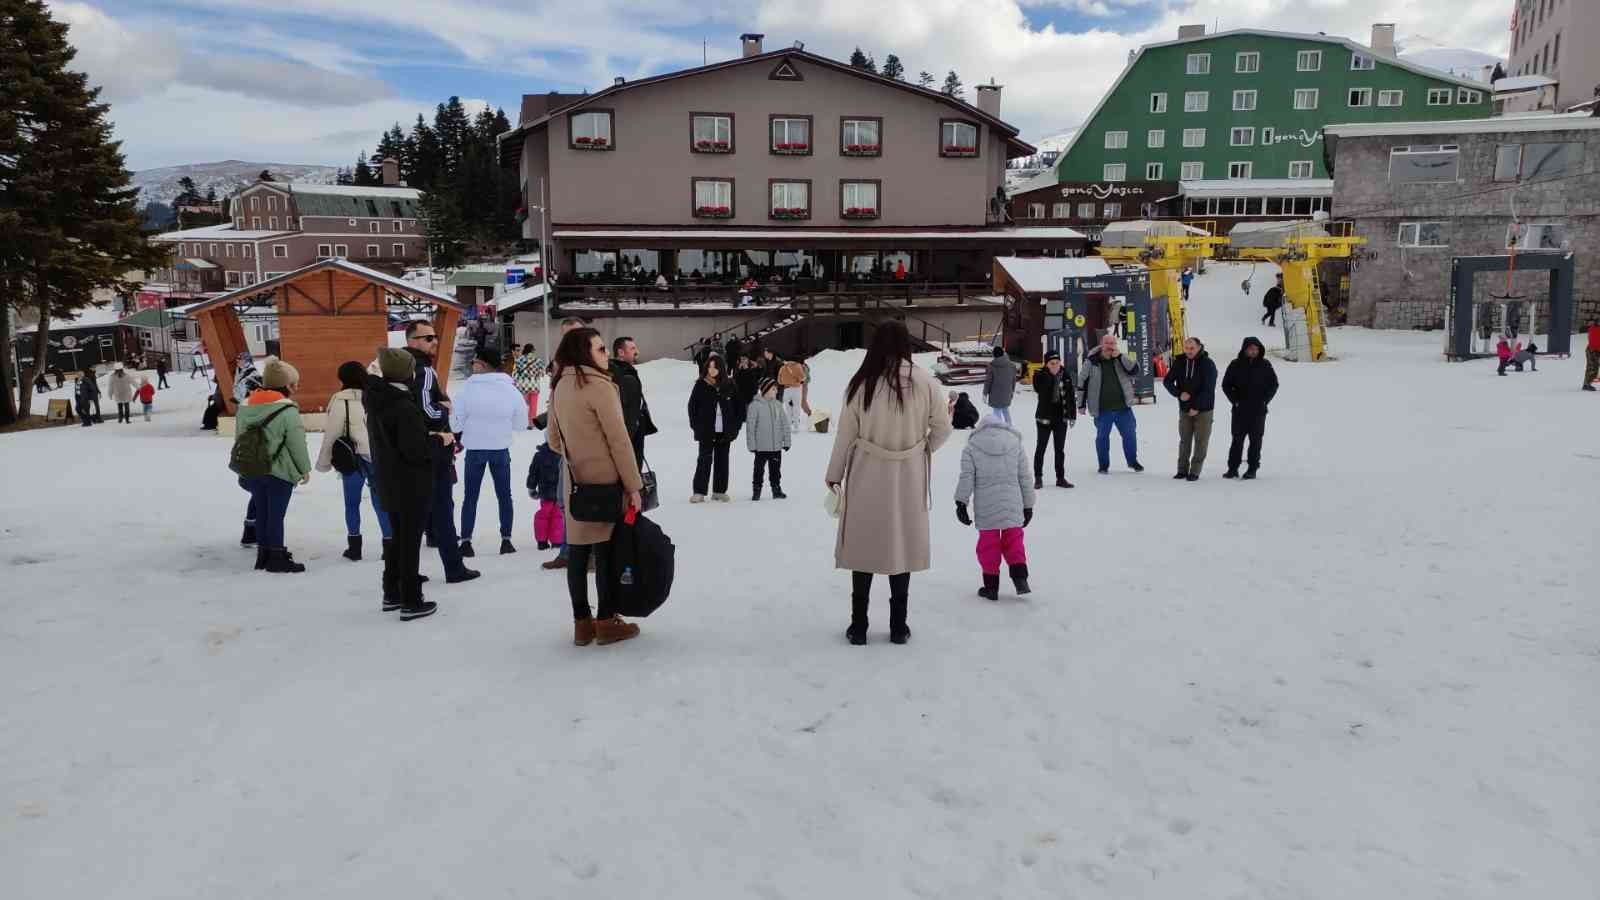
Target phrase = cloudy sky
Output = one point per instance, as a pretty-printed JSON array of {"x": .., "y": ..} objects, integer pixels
[{"x": 315, "y": 81}]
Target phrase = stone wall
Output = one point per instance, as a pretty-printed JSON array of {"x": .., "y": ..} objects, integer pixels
[{"x": 1410, "y": 315}]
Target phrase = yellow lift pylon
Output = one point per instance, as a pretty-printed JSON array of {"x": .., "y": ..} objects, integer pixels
[
  {"x": 1297, "y": 250},
  {"x": 1164, "y": 248}
]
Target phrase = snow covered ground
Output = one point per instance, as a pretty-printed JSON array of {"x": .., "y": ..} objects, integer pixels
[{"x": 1370, "y": 673}]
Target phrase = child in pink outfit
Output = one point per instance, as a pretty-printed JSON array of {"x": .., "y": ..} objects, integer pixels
[
  {"x": 544, "y": 485},
  {"x": 998, "y": 481}
]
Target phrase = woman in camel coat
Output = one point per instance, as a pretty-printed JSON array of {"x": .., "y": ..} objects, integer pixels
[
  {"x": 587, "y": 429},
  {"x": 894, "y": 420}
]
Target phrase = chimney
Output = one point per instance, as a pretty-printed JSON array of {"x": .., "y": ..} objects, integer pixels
[
  {"x": 751, "y": 43},
  {"x": 391, "y": 172},
  {"x": 989, "y": 98},
  {"x": 1191, "y": 31},
  {"x": 1383, "y": 39}
]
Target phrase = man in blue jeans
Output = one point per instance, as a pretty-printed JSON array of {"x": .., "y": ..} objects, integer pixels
[
  {"x": 488, "y": 411},
  {"x": 421, "y": 342},
  {"x": 1106, "y": 382},
  {"x": 1000, "y": 384}
]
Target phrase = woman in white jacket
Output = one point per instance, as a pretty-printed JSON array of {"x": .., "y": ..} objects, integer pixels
[{"x": 346, "y": 421}]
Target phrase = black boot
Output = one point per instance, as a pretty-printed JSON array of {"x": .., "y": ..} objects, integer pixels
[
  {"x": 248, "y": 539},
  {"x": 898, "y": 632},
  {"x": 466, "y": 549},
  {"x": 1038, "y": 482},
  {"x": 857, "y": 632},
  {"x": 755, "y": 491},
  {"x": 391, "y": 591},
  {"x": 777, "y": 490},
  {"x": 1019, "y": 578},
  {"x": 261, "y": 558},
  {"x": 384, "y": 554},
  {"x": 506, "y": 546},
  {"x": 1181, "y": 476},
  {"x": 544, "y": 545},
  {"x": 1249, "y": 473},
  {"x": 1062, "y": 482},
  {"x": 353, "y": 551},
  {"x": 991, "y": 587},
  {"x": 280, "y": 560},
  {"x": 415, "y": 607},
  {"x": 1233, "y": 472}
]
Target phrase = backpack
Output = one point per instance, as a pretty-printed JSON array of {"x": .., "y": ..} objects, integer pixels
[
  {"x": 792, "y": 374},
  {"x": 250, "y": 457},
  {"x": 344, "y": 448},
  {"x": 642, "y": 565}
]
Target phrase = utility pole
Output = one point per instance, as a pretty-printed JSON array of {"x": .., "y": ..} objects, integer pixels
[{"x": 544, "y": 269}]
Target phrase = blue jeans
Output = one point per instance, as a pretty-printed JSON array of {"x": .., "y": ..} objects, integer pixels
[
  {"x": 499, "y": 463},
  {"x": 353, "y": 483},
  {"x": 442, "y": 519},
  {"x": 1003, "y": 412},
  {"x": 270, "y": 496},
  {"x": 1126, "y": 425}
]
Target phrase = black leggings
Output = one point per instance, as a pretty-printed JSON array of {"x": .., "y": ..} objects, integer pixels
[
  {"x": 899, "y": 586},
  {"x": 578, "y": 556}
]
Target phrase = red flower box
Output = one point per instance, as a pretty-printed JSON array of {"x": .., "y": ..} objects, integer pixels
[
  {"x": 958, "y": 150},
  {"x": 792, "y": 147},
  {"x": 582, "y": 140},
  {"x": 790, "y": 212},
  {"x": 710, "y": 146},
  {"x": 714, "y": 212},
  {"x": 589, "y": 143},
  {"x": 861, "y": 212},
  {"x": 862, "y": 149},
  {"x": 702, "y": 145}
]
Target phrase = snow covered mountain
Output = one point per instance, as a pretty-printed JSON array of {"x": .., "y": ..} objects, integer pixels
[
  {"x": 161, "y": 185},
  {"x": 1055, "y": 142},
  {"x": 1458, "y": 61}
]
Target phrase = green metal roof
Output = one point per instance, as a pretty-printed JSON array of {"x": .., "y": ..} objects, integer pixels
[
  {"x": 311, "y": 202},
  {"x": 148, "y": 318}
]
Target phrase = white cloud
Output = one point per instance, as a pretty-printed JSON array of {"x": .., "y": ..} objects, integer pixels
[{"x": 124, "y": 62}]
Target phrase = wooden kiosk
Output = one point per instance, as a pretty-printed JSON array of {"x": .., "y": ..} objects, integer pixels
[{"x": 328, "y": 312}]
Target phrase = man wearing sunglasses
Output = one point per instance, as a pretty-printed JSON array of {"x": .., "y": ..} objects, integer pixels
[{"x": 423, "y": 343}]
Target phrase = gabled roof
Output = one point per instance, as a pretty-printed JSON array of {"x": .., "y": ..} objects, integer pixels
[
  {"x": 1348, "y": 44},
  {"x": 388, "y": 281},
  {"x": 1006, "y": 130},
  {"x": 225, "y": 232},
  {"x": 346, "y": 200}
]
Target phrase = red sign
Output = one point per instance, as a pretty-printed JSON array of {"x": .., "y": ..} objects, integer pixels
[{"x": 147, "y": 300}]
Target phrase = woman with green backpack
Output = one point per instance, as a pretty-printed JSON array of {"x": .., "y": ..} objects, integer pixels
[{"x": 269, "y": 454}]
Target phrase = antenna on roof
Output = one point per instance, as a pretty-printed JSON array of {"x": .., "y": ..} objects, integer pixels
[{"x": 703, "y": 60}]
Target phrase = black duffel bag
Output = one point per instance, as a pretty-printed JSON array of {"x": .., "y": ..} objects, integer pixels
[{"x": 642, "y": 565}]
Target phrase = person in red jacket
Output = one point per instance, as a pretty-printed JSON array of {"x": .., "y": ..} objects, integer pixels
[
  {"x": 147, "y": 397},
  {"x": 1591, "y": 367}
]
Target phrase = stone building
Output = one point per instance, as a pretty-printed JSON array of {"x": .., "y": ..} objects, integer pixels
[{"x": 1423, "y": 193}]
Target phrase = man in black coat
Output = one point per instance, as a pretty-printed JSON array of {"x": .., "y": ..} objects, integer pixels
[
  {"x": 1250, "y": 384},
  {"x": 404, "y": 451},
  {"x": 1057, "y": 411},
  {"x": 1193, "y": 380},
  {"x": 1273, "y": 301},
  {"x": 635, "y": 409},
  {"x": 422, "y": 343}
]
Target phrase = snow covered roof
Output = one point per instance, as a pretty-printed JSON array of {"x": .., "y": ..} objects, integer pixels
[
  {"x": 395, "y": 284},
  {"x": 1044, "y": 274},
  {"x": 217, "y": 233},
  {"x": 1459, "y": 61},
  {"x": 1258, "y": 187},
  {"x": 1135, "y": 232},
  {"x": 1045, "y": 179},
  {"x": 1523, "y": 83},
  {"x": 194, "y": 264},
  {"x": 512, "y": 301},
  {"x": 350, "y": 190},
  {"x": 1273, "y": 234},
  {"x": 812, "y": 234},
  {"x": 1545, "y": 122},
  {"x": 88, "y": 317}
]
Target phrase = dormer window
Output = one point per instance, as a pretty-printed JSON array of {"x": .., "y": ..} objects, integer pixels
[
  {"x": 791, "y": 135},
  {"x": 711, "y": 132},
  {"x": 590, "y": 130},
  {"x": 958, "y": 138}
]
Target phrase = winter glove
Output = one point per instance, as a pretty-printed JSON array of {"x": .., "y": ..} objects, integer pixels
[
  {"x": 961, "y": 514},
  {"x": 1027, "y": 516}
]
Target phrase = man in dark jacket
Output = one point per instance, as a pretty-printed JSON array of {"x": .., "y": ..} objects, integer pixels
[
  {"x": 1000, "y": 383},
  {"x": 1193, "y": 380},
  {"x": 1273, "y": 301},
  {"x": 1057, "y": 411},
  {"x": 1249, "y": 385},
  {"x": 404, "y": 451},
  {"x": 422, "y": 343},
  {"x": 635, "y": 409}
]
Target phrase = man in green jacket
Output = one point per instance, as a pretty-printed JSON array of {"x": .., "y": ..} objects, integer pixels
[{"x": 271, "y": 409}]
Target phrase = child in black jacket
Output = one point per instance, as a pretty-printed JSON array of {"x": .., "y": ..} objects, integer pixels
[{"x": 544, "y": 485}]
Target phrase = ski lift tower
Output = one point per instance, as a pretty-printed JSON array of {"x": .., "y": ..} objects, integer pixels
[
  {"x": 1296, "y": 248},
  {"x": 1164, "y": 248}
]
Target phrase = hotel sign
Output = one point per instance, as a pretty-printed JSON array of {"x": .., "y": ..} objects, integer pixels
[{"x": 1111, "y": 190}]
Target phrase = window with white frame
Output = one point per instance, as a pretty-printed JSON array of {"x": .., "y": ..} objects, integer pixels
[
  {"x": 238, "y": 222},
  {"x": 1061, "y": 210},
  {"x": 713, "y": 197},
  {"x": 1391, "y": 98},
  {"x": 1244, "y": 101},
  {"x": 1536, "y": 236},
  {"x": 1113, "y": 211},
  {"x": 1116, "y": 140},
  {"x": 791, "y": 135},
  {"x": 791, "y": 200},
  {"x": 1361, "y": 96},
  {"x": 1194, "y": 137},
  {"x": 1035, "y": 210},
  {"x": 1085, "y": 210},
  {"x": 1439, "y": 96},
  {"x": 1247, "y": 63},
  {"x": 1468, "y": 96},
  {"x": 231, "y": 278},
  {"x": 374, "y": 251},
  {"x": 1305, "y": 98},
  {"x": 281, "y": 251},
  {"x": 255, "y": 203},
  {"x": 958, "y": 139},
  {"x": 244, "y": 250},
  {"x": 399, "y": 251},
  {"x": 1198, "y": 64},
  {"x": 272, "y": 223},
  {"x": 1152, "y": 171},
  {"x": 227, "y": 249},
  {"x": 255, "y": 223},
  {"x": 711, "y": 133},
  {"x": 859, "y": 199},
  {"x": 1196, "y": 101},
  {"x": 1424, "y": 164},
  {"x": 1114, "y": 172},
  {"x": 1308, "y": 61},
  {"x": 1421, "y": 234},
  {"x": 396, "y": 226},
  {"x": 1268, "y": 134},
  {"x": 1192, "y": 171},
  {"x": 1301, "y": 168},
  {"x": 324, "y": 251},
  {"x": 1240, "y": 169},
  {"x": 374, "y": 227},
  {"x": 250, "y": 278},
  {"x": 1241, "y": 137},
  {"x": 213, "y": 251},
  {"x": 341, "y": 250},
  {"x": 1158, "y": 102},
  {"x": 1361, "y": 62},
  {"x": 590, "y": 130},
  {"x": 861, "y": 137}
]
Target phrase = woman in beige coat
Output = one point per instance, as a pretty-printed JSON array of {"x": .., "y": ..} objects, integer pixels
[
  {"x": 893, "y": 422},
  {"x": 586, "y": 427}
]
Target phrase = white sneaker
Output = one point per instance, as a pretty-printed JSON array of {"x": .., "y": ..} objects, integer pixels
[
  {"x": 698, "y": 498},
  {"x": 721, "y": 498}
]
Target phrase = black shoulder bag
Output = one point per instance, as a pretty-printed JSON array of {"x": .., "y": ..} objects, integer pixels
[{"x": 344, "y": 448}]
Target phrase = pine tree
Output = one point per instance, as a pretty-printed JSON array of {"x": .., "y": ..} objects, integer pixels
[
  {"x": 452, "y": 127},
  {"x": 266, "y": 175},
  {"x": 858, "y": 60},
  {"x": 187, "y": 192},
  {"x": 443, "y": 229},
  {"x": 893, "y": 69},
  {"x": 211, "y": 194},
  {"x": 952, "y": 86},
  {"x": 362, "y": 174},
  {"x": 925, "y": 79},
  {"x": 427, "y": 164},
  {"x": 70, "y": 219}
]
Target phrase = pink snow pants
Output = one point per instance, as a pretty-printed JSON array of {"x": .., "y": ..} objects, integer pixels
[
  {"x": 1000, "y": 543},
  {"x": 550, "y": 522},
  {"x": 533, "y": 405}
]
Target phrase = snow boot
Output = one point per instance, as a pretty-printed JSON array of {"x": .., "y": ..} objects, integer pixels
[
  {"x": 583, "y": 632},
  {"x": 1249, "y": 474},
  {"x": 697, "y": 498},
  {"x": 384, "y": 553},
  {"x": 898, "y": 632},
  {"x": 1192, "y": 476},
  {"x": 1588, "y": 387},
  {"x": 506, "y": 547},
  {"x": 1038, "y": 482},
  {"x": 755, "y": 493},
  {"x": 1136, "y": 467},
  {"x": 991, "y": 587},
  {"x": 777, "y": 492},
  {"x": 1019, "y": 578},
  {"x": 1231, "y": 473},
  {"x": 391, "y": 592},
  {"x": 722, "y": 498},
  {"x": 280, "y": 560},
  {"x": 1182, "y": 475},
  {"x": 466, "y": 549},
  {"x": 248, "y": 539},
  {"x": 613, "y": 630},
  {"x": 1062, "y": 482},
  {"x": 261, "y": 558},
  {"x": 856, "y": 634},
  {"x": 463, "y": 575},
  {"x": 352, "y": 552},
  {"x": 419, "y": 610},
  {"x": 544, "y": 545}
]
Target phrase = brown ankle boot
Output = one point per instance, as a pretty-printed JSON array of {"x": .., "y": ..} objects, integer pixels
[
  {"x": 583, "y": 632},
  {"x": 612, "y": 630}
]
